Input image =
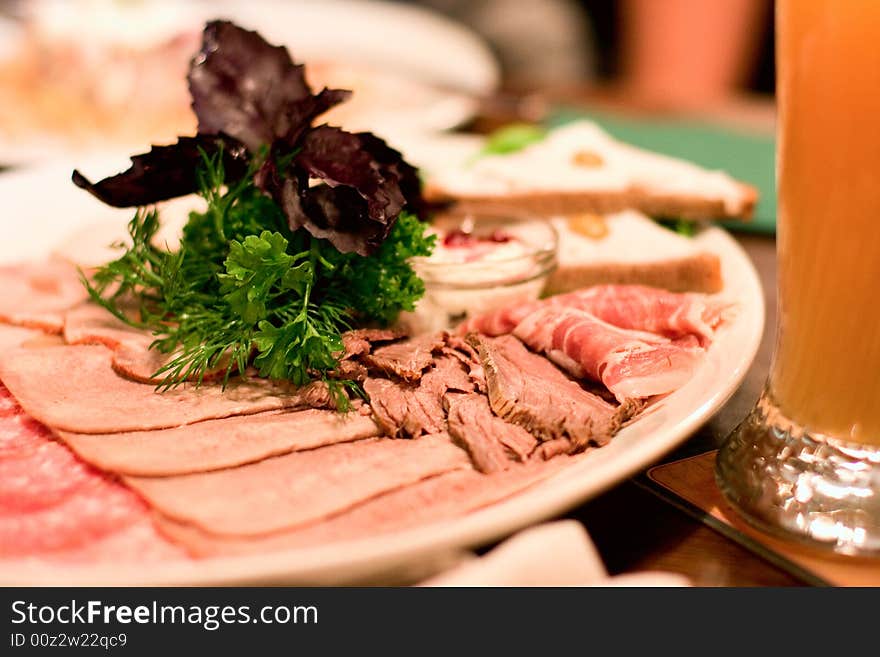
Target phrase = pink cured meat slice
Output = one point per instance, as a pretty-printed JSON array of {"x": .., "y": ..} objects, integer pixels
[
  {"x": 635, "y": 307},
  {"x": 37, "y": 294},
  {"x": 642, "y": 308},
  {"x": 38, "y": 473},
  {"x": 53, "y": 506},
  {"x": 77, "y": 520},
  {"x": 631, "y": 364},
  {"x": 434, "y": 500},
  {"x": 20, "y": 435},
  {"x": 139, "y": 542},
  {"x": 8, "y": 405}
]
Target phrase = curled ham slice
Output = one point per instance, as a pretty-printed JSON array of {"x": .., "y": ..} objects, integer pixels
[
  {"x": 631, "y": 364},
  {"x": 634, "y": 307}
]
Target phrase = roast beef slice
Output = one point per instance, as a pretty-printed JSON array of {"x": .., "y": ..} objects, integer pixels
[
  {"x": 447, "y": 373},
  {"x": 408, "y": 359},
  {"x": 359, "y": 342},
  {"x": 493, "y": 443},
  {"x": 527, "y": 389},
  {"x": 434, "y": 500},
  {"x": 298, "y": 488},
  {"x": 37, "y": 295},
  {"x": 217, "y": 444},
  {"x": 404, "y": 410},
  {"x": 74, "y": 388}
]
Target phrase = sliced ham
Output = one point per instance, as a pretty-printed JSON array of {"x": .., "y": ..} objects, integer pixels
[
  {"x": 493, "y": 443},
  {"x": 650, "y": 309},
  {"x": 75, "y": 389},
  {"x": 216, "y": 444},
  {"x": 631, "y": 364},
  {"x": 298, "y": 488},
  {"x": 16, "y": 336},
  {"x": 527, "y": 389},
  {"x": 634, "y": 307},
  {"x": 37, "y": 295},
  {"x": 434, "y": 500},
  {"x": 89, "y": 323}
]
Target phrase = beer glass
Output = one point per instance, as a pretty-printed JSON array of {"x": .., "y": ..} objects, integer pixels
[{"x": 806, "y": 462}]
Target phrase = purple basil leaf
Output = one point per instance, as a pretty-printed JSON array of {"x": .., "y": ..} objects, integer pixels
[
  {"x": 165, "y": 172},
  {"x": 246, "y": 88},
  {"x": 361, "y": 186}
]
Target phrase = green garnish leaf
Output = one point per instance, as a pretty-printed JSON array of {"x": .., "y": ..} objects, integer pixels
[
  {"x": 244, "y": 290},
  {"x": 683, "y": 227},
  {"x": 512, "y": 138}
]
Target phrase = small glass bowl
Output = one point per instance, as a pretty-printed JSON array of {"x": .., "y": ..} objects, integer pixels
[{"x": 456, "y": 287}]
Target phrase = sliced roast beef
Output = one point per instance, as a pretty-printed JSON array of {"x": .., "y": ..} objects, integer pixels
[
  {"x": 360, "y": 342},
  {"x": 527, "y": 389},
  {"x": 217, "y": 444},
  {"x": 447, "y": 373},
  {"x": 408, "y": 359},
  {"x": 552, "y": 448},
  {"x": 404, "y": 410},
  {"x": 74, "y": 388},
  {"x": 298, "y": 488},
  {"x": 434, "y": 500},
  {"x": 493, "y": 443},
  {"x": 37, "y": 295},
  {"x": 458, "y": 347}
]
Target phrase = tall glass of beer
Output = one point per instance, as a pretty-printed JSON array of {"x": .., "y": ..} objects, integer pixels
[{"x": 806, "y": 462}]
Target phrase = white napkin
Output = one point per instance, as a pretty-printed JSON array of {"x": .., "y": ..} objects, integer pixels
[{"x": 554, "y": 554}]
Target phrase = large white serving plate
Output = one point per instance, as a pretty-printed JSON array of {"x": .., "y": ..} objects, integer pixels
[{"x": 39, "y": 208}]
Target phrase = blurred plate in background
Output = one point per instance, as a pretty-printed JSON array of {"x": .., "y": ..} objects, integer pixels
[{"x": 102, "y": 76}]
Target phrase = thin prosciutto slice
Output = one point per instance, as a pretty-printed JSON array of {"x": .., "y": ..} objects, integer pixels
[
  {"x": 634, "y": 307},
  {"x": 631, "y": 364}
]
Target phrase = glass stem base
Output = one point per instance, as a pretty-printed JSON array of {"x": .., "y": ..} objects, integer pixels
[{"x": 814, "y": 488}]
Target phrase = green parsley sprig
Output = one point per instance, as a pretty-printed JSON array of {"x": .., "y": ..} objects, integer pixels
[{"x": 244, "y": 290}]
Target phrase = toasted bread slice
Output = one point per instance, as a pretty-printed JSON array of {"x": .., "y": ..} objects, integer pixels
[
  {"x": 580, "y": 168},
  {"x": 629, "y": 248}
]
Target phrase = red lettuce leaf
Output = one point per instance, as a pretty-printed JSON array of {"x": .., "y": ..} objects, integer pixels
[
  {"x": 246, "y": 88},
  {"x": 165, "y": 172}
]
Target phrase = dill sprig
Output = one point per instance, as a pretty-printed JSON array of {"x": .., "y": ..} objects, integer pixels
[{"x": 243, "y": 290}]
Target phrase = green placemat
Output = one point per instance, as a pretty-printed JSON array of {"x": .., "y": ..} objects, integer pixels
[{"x": 747, "y": 157}]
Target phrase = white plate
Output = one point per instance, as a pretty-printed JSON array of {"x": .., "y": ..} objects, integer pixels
[
  {"x": 39, "y": 208},
  {"x": 403, "y": 42}
]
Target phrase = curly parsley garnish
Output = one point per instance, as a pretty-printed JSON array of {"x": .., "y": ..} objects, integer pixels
[{"x": 243, "y": 289}]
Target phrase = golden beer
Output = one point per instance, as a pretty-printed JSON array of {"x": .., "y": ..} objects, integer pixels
[
  {"x": 826, "y": 373},
  {"x": 805, "y": 463}
]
